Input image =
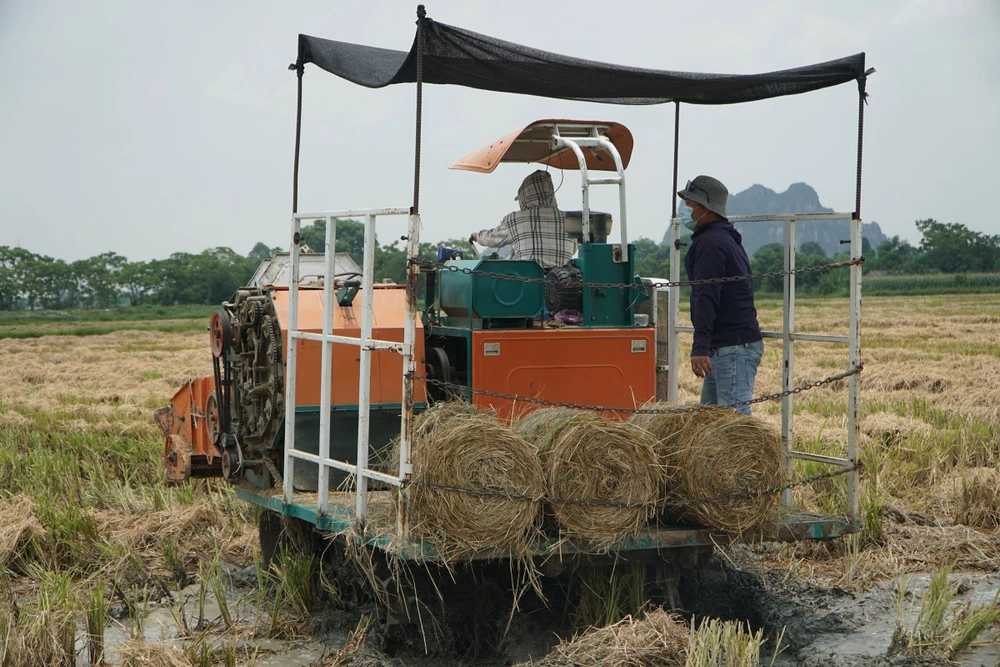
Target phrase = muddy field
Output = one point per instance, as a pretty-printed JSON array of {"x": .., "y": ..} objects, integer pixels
[{"x": 98, "y": 556}]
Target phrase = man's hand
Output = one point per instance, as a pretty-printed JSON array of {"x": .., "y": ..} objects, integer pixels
[
  {"x": 701, "y": 366},
  {"x": 473, "y": 237}
]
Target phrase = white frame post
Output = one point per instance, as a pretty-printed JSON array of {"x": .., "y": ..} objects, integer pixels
[
  {"x": 366, "y": 344},
  {"x": 323, "y": 484},
  {"x": 291, "y": 359},
  {"x": 854, "y": 360},
  {"x": 409, "y": 369},
  {"x": 674, "y": 316},
  {"x": 364, "y": 370},
  {"x": 788, "y": 358}
]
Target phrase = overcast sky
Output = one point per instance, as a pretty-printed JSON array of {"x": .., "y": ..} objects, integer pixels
[{"x": 151, "y": 128}]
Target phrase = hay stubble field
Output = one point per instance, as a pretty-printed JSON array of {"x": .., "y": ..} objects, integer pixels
[{"x": 87, "y": 525}]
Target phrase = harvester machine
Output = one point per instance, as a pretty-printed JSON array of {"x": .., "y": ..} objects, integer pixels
[{"x": 319, "y": 368}]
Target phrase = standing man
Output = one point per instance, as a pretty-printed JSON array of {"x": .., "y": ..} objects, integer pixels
[{"x": 727, "y": 341}]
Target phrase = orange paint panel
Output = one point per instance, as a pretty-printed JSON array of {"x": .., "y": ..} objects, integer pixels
[
  {"x": 387, "y": 366},
  {"x": 584, "y": 366}
]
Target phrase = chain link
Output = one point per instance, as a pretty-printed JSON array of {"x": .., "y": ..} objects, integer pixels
[
  {"x": 659, "y": 505},
  {"x": 428, "y": 265},
  {"x": 642, "y": 411}
]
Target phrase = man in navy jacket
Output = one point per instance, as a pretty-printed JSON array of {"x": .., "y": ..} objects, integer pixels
[{"x": 727, "y": 341}]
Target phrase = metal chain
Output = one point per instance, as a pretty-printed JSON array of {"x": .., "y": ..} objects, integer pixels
[
  {"x": 642, "y": 411},
  {"x": 660, "y": 505},
  {"x": 426, "y": 264}
]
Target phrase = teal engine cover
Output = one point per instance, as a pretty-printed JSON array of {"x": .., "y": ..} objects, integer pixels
[{"x": 492, "y": 297}]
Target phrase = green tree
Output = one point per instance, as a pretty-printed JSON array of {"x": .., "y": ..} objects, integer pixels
[
  {"x": 896, "y": 255},
  {"x": 260, "y": 251},
  {"x": 652, "y": 260},
  {"x": 951, "y": 247},
  {"x": 812, "y": 248}
]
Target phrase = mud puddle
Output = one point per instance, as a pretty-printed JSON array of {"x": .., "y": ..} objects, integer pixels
[
  {"x": 819, "y": 626},
  {"x": 831, "y": 626}
]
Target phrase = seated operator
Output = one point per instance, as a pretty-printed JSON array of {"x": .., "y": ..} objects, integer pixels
[{"x": 535, "y": 232}]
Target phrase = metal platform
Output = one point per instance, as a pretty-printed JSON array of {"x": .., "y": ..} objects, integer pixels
[{"x": 341, "y": 520}]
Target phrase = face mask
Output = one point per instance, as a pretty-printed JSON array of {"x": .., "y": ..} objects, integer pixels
[{"x": 685, "y": 215}]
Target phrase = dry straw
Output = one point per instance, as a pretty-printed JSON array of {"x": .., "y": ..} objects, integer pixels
[
  {"x": 589, "y": 458},
  {"x": 659, "y": 639},
  {"x": 713, "y": 453},
  {"x": 457, "y": 446}
]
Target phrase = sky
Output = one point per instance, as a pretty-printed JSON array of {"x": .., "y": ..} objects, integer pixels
[{"x": 152, "y": 128}]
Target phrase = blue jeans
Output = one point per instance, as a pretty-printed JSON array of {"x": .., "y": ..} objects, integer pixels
[{"x": 734, "y": 370}]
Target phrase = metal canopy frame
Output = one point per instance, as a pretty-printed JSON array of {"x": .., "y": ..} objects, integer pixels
[
  {"x": 788, "y": 334},
  {"x": 366, "y": 344},
  {"x": 789, "y": 337},
  {"x": 594, "y": 140}
]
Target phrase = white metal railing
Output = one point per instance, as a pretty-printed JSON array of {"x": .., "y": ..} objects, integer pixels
[
  {"x": 789, "y": 337},
  {"x": 367, "y": 345},
  {"x": 593, "y": 142}
]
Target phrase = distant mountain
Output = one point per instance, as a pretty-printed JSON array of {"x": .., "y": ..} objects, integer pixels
[{"x": 798, "y": 198}]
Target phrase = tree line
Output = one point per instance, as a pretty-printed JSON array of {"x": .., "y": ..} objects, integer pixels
[{"x": 29, "y": 281}]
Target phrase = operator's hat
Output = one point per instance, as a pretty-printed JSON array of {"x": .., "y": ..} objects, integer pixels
[{"x": 707, "y": 191}]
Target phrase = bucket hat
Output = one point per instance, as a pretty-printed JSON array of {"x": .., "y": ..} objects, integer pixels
[{"x": 707, "y": 191}]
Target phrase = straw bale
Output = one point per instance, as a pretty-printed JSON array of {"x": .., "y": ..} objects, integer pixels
[
  {"x": 589, "y": 458},
  {"x": 539, "y": 426},
  {"x": 658, "y": 639},
  {"x": 718, "y": 453},
  {"x": 20, "y": 532},
  {"x": 135, "y": 653},
  {"x": 456, "y": 445}
]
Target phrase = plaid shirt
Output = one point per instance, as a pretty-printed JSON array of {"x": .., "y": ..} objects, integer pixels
[{"x": 538, "y": 230}]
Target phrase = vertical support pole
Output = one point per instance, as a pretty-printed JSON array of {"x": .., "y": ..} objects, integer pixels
[
  {"x": 674, "y": 311},
  {"x": 364, "y": 371},
  {"x": 323, "y": 487},
  {"x": 621, "y": 206},
  {"x": 854, "y": 352},
  {"x": 409, "y": 369},
  {"x": 662, "y": 325},
  {"x": 674, "y": 296},
  {"x": 421, "y": 14},
  {"x": 291, "y": 356},
  {"x": 788, "y": 359}
]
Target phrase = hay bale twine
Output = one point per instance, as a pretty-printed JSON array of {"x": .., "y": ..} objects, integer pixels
[
  {"x": 718, "y": 453},
  {"x": 456, "y": 445},
  {"x": 587, "y": 457}
]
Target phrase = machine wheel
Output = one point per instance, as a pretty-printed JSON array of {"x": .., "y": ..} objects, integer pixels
[
  {"x": 438, "y": 368},
  {"x": 219, "y": 333}
]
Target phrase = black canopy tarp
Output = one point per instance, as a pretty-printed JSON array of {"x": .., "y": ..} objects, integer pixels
[{"x": 464, "y": 58}]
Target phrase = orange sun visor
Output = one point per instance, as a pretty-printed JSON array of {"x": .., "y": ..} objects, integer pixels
[{"x": 532, "y": 143}]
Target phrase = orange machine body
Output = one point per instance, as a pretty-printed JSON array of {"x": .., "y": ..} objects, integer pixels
[
  {"x": 612, "y": 368},
  {"x": 387, "y": 366},
  {"x": 190, "y": 450}
]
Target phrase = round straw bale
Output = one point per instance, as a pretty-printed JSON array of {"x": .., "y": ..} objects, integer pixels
[
  {"x": 477, "y": 452},
  {"x": 590, "y": 458},
  {"x": 539, "y": 426},
  {"x": 662, "y": 427},
  {"x": 440, "y": 413},
  {"x": 719, "y": 453},
  {"x": 658, "y": 639}
]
